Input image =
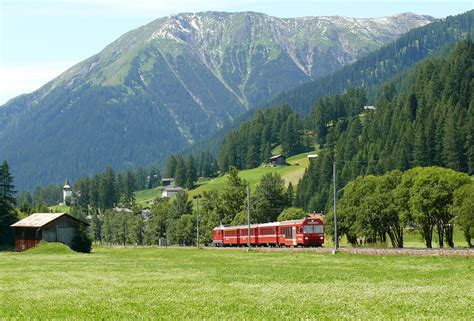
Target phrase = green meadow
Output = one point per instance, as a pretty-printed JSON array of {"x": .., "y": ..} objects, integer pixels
[
  {"x": 180, "y": 283},
  {"x": 294, "y": 170}
]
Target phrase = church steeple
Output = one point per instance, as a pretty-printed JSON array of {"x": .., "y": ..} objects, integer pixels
[{"x": 67, "y": 191}]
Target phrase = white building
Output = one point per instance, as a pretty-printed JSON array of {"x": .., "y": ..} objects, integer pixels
[
  {"x": 67, "y": 191},
  {"x": 170, "y": 192}
]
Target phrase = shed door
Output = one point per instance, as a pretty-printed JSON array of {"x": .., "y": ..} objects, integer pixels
[
  {"x": 49, "y": 235},
  {"x": 66, "y": 234}
]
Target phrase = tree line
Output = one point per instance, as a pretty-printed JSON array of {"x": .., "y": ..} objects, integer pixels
[
  {"x": 251, "y": 144},
  {"x": 186, "y": 171},
  {"x": 428, "y": 199},
  {"x": 175, "y": 219},
  {"x": 101, "y": 191}
]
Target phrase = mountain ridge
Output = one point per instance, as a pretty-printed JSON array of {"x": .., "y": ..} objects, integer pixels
[{"x": 145, "y": 95}]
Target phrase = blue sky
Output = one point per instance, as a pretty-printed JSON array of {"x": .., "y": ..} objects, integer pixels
[{"x": 39, "y": 39}]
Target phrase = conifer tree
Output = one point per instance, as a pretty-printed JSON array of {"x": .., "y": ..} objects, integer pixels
[
  {"x": 234, "y": 195},
  {"x": 108, "y": 196},
  {"x": 452, "y": 144},
  {"x": 180, "y": 176},
  {"x": 7, "y": 204},
  {"x": 191, "y": 176},
  {"x": 290, "y": 192},
  {"x": 170, "y": 167}
]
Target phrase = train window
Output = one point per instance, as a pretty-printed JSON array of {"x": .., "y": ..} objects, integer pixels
[
  {"x": 313, "y": 229},
  {"x": 318, "y": 229}
]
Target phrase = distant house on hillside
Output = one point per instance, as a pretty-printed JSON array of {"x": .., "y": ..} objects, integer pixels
[
  {"x": 369, "y": 107},
  {"x": 312, "y": 156},
  {"x": 167, "y": 181},
  {"x": 122, "y": 209},
  {"x": 170, "y": 192},
  {"x": 277, "y": 160},
  {"x": 49, "y": 227}
]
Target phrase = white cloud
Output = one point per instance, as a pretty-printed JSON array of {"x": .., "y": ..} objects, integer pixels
[{"x": 22, "y": 79}]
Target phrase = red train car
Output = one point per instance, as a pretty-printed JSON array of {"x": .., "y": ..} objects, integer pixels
[{"x": 303, "y": 232}]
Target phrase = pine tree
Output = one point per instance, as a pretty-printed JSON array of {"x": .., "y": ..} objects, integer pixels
[
  {"x": 7, "y": 204},
  {"x": 180, "y": 176},
  {"x": 108, "y": 196},
  {"x": 96, "y": 228},
  {"x": 170, "y": 167},
  {"x": 452, "y": 144},
  {"x": 234, "y": 196},
  {"x": 191, "y": 175},
  {"x": 291, "y": 195},
  {"x": 128, "y": 189}
]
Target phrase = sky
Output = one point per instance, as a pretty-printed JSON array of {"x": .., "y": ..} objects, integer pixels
[{"x": 39, "y": 39}]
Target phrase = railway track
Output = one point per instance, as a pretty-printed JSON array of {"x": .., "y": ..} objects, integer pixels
[{"x": 464, "y": 252}]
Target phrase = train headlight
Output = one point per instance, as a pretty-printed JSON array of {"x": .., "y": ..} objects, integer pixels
[{"x": 306, "y": 238}]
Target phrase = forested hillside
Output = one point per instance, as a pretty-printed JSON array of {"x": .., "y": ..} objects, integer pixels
[
  {"x": 252, "y": 143},
  {"x": 431, "y": 123},
  {"x": 370, "y": 71},
  {"x": 164, "y": 86},
  {"x": 383, "y": 63}
]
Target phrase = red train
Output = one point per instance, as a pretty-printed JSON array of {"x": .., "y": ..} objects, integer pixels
[{"x": 303, "y": 232}]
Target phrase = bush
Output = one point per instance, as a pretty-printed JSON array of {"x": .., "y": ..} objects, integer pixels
[
  {"x": 291, "y": 213},
  {"x": 81, "y": 241}
]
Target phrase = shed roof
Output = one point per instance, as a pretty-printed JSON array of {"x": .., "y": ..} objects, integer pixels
[
  {"x": 277, "y": 156},
  {"x": 172, "y": 189},
  {"x": 41, "y": 219}
]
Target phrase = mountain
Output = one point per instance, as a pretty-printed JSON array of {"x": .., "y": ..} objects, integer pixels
[
  {"x": 165, "y": 85},
  {"x": 376, "y": 67},
  {"x": 369, "y": 71}
]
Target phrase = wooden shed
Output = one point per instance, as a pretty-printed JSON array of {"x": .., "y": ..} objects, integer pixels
[
  {"x": 277, "y": 160},
  {"x": 49, "y": 227}
]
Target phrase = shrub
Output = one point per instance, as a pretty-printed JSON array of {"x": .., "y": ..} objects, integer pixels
[{"x": 81, "y": 241}]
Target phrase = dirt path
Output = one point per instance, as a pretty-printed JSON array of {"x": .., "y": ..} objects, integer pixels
[{"x": 375, "y": 251}]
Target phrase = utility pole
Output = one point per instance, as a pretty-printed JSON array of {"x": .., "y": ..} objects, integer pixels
[
  {"x": 197, "y": 197},
  {"x": 248, "y": 215},
  {"x": 336, "y": 247}
]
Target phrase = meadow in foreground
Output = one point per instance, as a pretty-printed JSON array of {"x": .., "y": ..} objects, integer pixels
[{"x": 188, "y": 283}]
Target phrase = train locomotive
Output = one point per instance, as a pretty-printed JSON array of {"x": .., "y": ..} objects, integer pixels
[{"x": 304, "y": 232}]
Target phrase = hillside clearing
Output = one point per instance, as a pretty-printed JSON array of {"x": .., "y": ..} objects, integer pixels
[{"x": 290, "y": 173}]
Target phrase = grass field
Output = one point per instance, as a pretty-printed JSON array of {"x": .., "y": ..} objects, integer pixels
[
  {"x": 125, "y": 283},
  {"x": 411, "y": 239},
  {"x": 291, "y": 173},
  {"x": 60, "y": 208}
]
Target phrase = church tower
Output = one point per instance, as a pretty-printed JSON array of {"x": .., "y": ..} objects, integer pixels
[{"x": 67, "y": 191}]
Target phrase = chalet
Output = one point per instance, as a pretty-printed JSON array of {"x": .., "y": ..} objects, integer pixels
[
  {"x": 312, "y": 156},
  {"x": 170, "y": 192},
  {"x": 167, "y": 182},
  {"x": 277, "y": 160},
  {"x": 49, "y": 227}
]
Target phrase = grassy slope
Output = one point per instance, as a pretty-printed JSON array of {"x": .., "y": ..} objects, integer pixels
[
  {"x": 60, "y": 208},
  {"x": 124, "y": 283},
  {"x": 291, "y": 173}
]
